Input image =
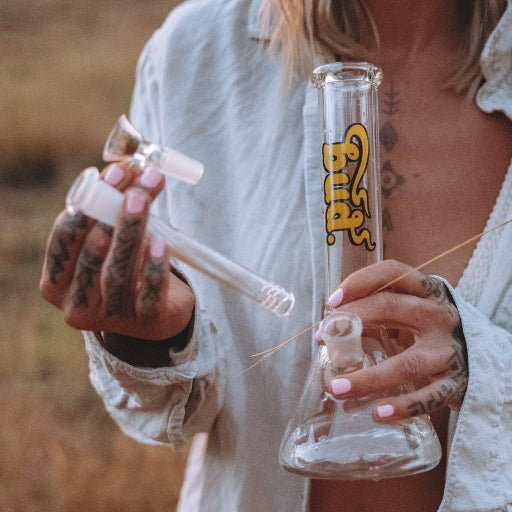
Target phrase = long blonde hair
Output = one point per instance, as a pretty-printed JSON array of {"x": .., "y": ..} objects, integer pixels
[{"x": 305, "y": 30}]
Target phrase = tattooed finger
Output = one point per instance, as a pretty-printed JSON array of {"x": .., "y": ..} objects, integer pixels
[
  {"x": 61, "y": 253},
  {"x": 389, "y": 275},
  {"x": 154, "y": 283},
  {"x": 68, "y": 232},
  {"x": 457, "y": 372},
  {"x": 120, "y": 279},
  {"x": 436, "y": 289},
  {"x": 85, "y": 290},
  {"x": 107, "y": 230},
  {"x": 439, "y": 394},
  {"x": 86, "y": 278},
  {"x": 124, "y": 259}
]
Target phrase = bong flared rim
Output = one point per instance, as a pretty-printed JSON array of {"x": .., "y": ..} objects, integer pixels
[
  {"x": 340, "y": 327},
  {"x": 364, "y": 73}
]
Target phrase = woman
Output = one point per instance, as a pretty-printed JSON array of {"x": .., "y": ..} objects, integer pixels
[{"x": 170, "y": 361}]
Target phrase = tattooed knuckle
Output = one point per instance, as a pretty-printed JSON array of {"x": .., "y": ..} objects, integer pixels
[
  {"x": 89, "y": 260},
  {"x": 62, "y": 229},
  {"x": 435, "y": 289},
  {"x": 117, "y": 292},
  {"x": 148, "y": 318},
  {"x": 117, "y": 284},
  {"x": 67, "y": 226},
  {"x": 98, "y": 245},
  {"x": 147, "y": 308}
]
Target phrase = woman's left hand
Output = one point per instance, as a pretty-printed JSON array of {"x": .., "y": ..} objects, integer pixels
[{"x": 422, "y": 305}]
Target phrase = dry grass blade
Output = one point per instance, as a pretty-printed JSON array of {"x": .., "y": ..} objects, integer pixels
[
  {"x": 445, "y": 253},
  {"x": 267, "y": 353}
]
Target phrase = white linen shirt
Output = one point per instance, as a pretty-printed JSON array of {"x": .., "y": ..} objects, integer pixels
[{"x": 207, "y": 87}]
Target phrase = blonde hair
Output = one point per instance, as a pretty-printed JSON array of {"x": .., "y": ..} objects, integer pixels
[{"x": 307, "y": 30}]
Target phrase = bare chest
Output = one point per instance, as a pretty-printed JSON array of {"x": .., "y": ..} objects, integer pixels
[{"x": 442, "y": 165}]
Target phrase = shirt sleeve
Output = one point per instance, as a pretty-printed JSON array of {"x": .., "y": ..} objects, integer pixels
[
  {"x": 167, "y": 404},
  {"x": 480, "y": 460}
]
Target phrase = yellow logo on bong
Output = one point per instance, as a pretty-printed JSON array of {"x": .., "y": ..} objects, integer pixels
[{"x": 345, "y": 196}]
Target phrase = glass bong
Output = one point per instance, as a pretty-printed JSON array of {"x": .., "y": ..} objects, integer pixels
[{"x": 327, "y": 437}]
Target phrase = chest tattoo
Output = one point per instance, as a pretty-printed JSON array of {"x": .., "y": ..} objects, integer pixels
[{"x": 390, "y": 178}]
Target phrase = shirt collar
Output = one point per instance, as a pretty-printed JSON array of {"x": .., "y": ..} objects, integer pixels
[{"x": 496, "y": 62}]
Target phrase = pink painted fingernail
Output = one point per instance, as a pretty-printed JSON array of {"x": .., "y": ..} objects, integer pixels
[
  {"x": 135, "y": 201},
  {"x": 340, "y": 386},
  {"x": 114, "y": 175},
  {"x": 151, "y": 177},
  {"x": 336, "y": 298},
  {"x": 157, "y": 247},
  {"x": 385, "y": 411}
]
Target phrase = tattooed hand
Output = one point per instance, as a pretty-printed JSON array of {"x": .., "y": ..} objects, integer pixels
[
  {"x": 435, "y": 360},
  {"x": 115, "y": 279}
]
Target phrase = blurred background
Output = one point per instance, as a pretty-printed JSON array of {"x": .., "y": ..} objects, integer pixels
[{"x": 66, "y": 74}]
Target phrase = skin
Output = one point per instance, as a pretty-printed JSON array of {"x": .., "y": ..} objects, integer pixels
[{"x": 106, "y": 279}]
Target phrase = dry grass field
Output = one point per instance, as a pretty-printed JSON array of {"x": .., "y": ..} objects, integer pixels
[{"x": 66, "y": 74}]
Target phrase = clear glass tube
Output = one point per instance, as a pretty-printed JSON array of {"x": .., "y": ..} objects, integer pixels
[
  {"x": 99, "y": 200},
  {"x": 348, "y": 106}
]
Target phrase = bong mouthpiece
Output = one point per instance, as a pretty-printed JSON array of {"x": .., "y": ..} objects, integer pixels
[{"x": 125, "y": 142}]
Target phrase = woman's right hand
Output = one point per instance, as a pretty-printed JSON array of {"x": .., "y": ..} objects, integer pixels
[{"x": 116, "y": 280}]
